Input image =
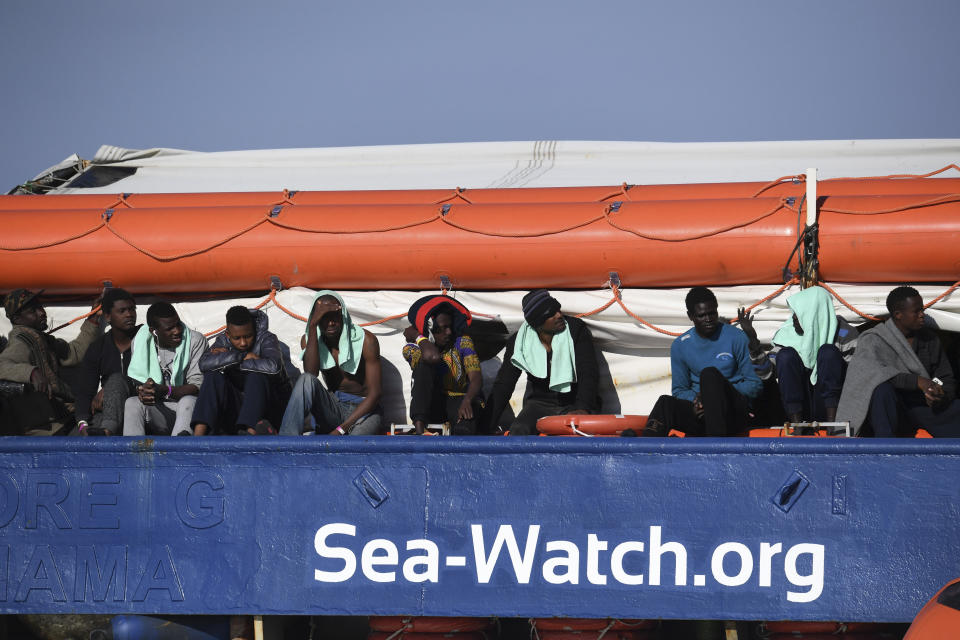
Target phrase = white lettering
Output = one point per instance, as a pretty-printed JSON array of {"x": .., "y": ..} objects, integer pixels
[
  {"x": 767, "y": 551},
  {"x": 616, "y": 562},
  {"x": 341, "y": 553},
  {"x": 570, "y": 561},
  {"x": 746, "y": 564},
  {"x": 431, "y": 561},
  {"x": 594, "y": 547},
  {"x": 522, "y": 566},
  {"x": 370, "y": 559},
  {"x": 657, "y": 549},
  {"x": 814, "y": 580}
]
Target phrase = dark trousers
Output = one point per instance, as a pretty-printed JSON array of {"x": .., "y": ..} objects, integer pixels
[
  {"x": 898, "y": 412},
  {"x": 725, "y": 410},
  {"x": 429, "y": 401},
  {"x": 525, "y": 424},
  {"x": 223, "y": 406},
  {"x": 796, "y": 392}
]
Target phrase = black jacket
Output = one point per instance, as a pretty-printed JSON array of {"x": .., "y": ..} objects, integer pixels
[
  {"x": 583, "y": 393},
  {"x": 101, "y": 361},
  {"x": 265, "y": 346}
]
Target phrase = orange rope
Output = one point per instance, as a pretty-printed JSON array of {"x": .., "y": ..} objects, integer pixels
[
  {"x": 56, "y": 242},
  {"x": 619, "y": 300},
  {"x": 536, "y": 234},
  {"x": 382, "y": 320},
  {"x": 792, "y": 281},
  {"x": 836, "y": 295},
  {"x": 273, "y": 298},
  {"x": 942, "y": 295},
  {"x": 953, "y": 197},
  {"x": 292, "y": 227},
  {"x": 187, "y": 254},
  {"x": 458, "y": 193},
  {"x": 597, "y": 310},
  {"x": 782, "y": 204},
  {"x": 96, "y": 309},
  {"x": 800, "y": 177},
  {"x": 624, "y": 188},
  {"x": 897, "y": 176}
]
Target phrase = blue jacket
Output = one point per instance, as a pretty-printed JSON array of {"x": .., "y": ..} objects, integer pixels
[
  {"x": 265, "y": 346},
  {"x": 727, "y": 350}
]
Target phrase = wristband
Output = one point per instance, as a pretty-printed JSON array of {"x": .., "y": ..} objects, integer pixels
[
  {"x": 340, "y": 430},
  {"x": 169, "y": 391},
  {"x": 419, "y": 340},
  {"x": 82, "y": 424}
]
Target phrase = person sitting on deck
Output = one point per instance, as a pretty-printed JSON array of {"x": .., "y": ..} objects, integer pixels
[
  {"x": 446, "y": 380},
  {"x": 556, "y": 351},
  {"x": 104, "y": 367},
  {"x": 165, "y": 368},
  {"x": 810, "y": 352},
  {"x": 34, "y": 357},
  {"x": 245, "y": 386},
  {"x": 349, "y": 357},
  {"x": 713, "y": 377},
  {"x": 900, "y": 379}
]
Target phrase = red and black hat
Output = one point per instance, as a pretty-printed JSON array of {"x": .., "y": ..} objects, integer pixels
[{"x": 429, "y": 306}]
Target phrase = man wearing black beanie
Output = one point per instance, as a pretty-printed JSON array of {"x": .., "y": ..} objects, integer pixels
[{"x": 556, "y": 351}]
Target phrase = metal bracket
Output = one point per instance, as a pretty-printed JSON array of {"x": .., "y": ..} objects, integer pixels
[
  {"x": 107, "y": 284},
  {"x": 275, "y": 283},
  {"x": 791, "y": 200},
  {"x": 445, "y": 284},
  {"x": 107, "y": 214},
  {"x": 276, "y": 211},
  {"x": 614, "y": 280},
  {"x": 445, "y": 209},
  {"x": 615, "y": 206},
  {"x": 291, "y": 192}
]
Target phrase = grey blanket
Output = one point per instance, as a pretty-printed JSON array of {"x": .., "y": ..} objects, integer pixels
[{"x": 882, "y": 353}]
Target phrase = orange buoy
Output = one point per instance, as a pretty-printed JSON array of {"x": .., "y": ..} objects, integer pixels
[
  {"x": 590, "y": 425},
  {"x": 940, "y": 617}
]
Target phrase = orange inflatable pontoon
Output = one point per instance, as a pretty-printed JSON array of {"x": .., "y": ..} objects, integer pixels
[{"x": 870, "y": 230}]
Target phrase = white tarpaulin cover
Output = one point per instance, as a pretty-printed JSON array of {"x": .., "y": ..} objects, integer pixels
[
  {"x": 542, "y": 163},
  {"x": 636, "y": 358}
]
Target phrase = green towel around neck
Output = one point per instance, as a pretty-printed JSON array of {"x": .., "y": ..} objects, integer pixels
[
  {"x": 814, "y": 309},
  {"x": 351, "y": 340},
  {"x": 144, "y": 363},
  {"x": 530, "y": 355}
]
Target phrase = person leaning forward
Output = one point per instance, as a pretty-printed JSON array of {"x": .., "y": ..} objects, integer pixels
[
  {"x": 34, "y": 357},
  {"x": 349, "y": 357},
  {"x": 165, "y": 369},
  {"x": 556, "y": 352},
  {"x": 446, "y": 379},
  {"x": 245, "y": 386}
]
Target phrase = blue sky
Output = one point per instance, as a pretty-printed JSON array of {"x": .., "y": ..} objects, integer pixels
[{"x": 211, "y": 75}]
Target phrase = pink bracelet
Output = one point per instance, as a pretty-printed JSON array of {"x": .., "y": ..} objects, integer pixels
[
  {"x": 341, "y": 430},
  {"x": 169, "y": 391}
]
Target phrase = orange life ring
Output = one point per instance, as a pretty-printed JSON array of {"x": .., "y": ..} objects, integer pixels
[
  {"x": 940, "y": 617},
  {"x": 590, "y": 425},
  {"x": 428, "y": 624}
]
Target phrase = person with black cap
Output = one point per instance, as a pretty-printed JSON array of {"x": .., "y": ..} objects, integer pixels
[
  {"x": 32, "y": 356},
  {"x": 556, "y": 351},
  {"x": 446, "y": 381}
]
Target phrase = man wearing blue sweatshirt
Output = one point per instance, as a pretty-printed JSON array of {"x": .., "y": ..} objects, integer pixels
[{"x": 713, "y": 377}]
